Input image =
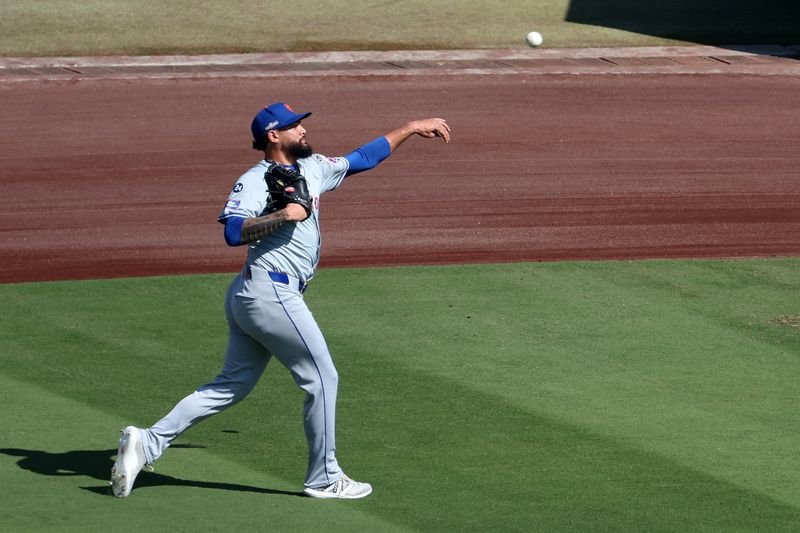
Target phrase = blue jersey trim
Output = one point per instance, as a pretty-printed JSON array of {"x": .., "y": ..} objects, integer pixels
[
  {"x": 368, "y": 156},
  {"x": 233, "y": 230}
]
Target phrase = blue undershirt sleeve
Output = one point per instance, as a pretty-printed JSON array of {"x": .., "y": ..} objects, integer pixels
[
  {"x": 233, "y": 230},
  {"x": 368, "y": 156}
]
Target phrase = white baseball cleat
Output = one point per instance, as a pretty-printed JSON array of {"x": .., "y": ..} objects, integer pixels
[
  {"x": 344, "y": 488},
  {"x": 130, "y": 461}
]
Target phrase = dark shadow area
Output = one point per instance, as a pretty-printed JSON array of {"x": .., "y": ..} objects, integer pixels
[
  {"x": 712, "y": 22},
  {"x": 97, "y": 464}
]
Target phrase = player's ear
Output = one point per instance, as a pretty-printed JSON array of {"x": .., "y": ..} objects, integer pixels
[{"x": 272, "y": 136}]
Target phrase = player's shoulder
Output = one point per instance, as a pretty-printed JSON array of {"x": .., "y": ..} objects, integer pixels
[
  {"x": 252, "y": 181},
  {"x": 313, "y": 159},
  {"x": 322, "y": 162}
]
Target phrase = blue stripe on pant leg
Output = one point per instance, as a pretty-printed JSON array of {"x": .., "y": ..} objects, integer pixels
[{"x": 321, "y": 383}]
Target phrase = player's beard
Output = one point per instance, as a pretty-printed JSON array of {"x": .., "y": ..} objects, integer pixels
[{"x": 300, "y": 150}]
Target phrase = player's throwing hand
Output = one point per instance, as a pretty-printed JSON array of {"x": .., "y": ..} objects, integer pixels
[
  {"x": 429, "y": 127},
  {"x": 432, "y": 127}
]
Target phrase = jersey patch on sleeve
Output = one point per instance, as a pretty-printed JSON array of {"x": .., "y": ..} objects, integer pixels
[
  {"x": 232, "y": 207},
  {"x": 238, "y": 187}
]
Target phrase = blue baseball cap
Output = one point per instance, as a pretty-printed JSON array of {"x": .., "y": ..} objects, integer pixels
[{"x": 274, "y": 117}]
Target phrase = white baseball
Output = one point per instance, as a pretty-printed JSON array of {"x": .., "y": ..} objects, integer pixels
[{"x": 534, "y": 39}]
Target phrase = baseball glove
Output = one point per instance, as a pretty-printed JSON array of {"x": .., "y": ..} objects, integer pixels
[{"x": 286, "y": 186}]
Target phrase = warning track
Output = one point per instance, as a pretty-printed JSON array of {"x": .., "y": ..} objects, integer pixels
[{"x": 119, "y": 177}]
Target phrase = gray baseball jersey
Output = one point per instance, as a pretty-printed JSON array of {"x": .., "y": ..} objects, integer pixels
[
  {"x": 267, "y": 317},
  {"x": 294, "y": 248}
]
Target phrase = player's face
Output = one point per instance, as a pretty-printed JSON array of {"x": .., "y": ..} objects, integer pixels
[
  {"x": 293, "y": 139},
  {"x": 295, "y": 133}
]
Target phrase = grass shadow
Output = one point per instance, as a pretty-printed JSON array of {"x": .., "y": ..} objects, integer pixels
[
  {"x": 711, "y": 22},
  {"x": 97, "y": 464}
]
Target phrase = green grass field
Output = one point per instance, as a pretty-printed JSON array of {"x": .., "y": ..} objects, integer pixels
[
  {"x": 597, "y": 396},
  {"x": 101, "y": 27},
  {"x": 602, "y": 396}
]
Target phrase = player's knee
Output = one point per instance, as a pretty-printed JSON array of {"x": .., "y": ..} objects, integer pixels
[
  {"x": 239, "y": 395},
  {"x": 321, "y": 383},
  {"x": 331, "y": 381}
]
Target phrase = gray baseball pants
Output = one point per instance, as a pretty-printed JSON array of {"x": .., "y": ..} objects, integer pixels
[{"x": 265, "y": 318}]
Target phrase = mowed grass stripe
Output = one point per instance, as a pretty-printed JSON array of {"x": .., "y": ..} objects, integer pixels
[
  {"x": 581, "y": 481},
  {"x": 575, "y": 396},
  {"x": 686, "y": 359},
  {"x": 464, "y": 460},
  {"x": 56, "y": 455}
]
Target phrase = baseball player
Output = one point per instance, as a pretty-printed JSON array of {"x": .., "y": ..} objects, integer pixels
[{"x": 273, "y": 208}]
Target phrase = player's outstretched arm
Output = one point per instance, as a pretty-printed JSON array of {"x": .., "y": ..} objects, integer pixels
[
  {"x": 430, "y": 127},
  {"x": 372, "y": 153}
]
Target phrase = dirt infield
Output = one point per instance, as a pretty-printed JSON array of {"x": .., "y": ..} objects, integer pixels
[{"x": 110, "y": 178}]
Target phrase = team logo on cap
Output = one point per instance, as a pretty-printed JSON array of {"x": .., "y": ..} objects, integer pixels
[{"x": 287, "y": 106}]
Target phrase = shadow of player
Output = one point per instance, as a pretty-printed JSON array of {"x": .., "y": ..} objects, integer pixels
[{"x": 97, "y": 464}]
